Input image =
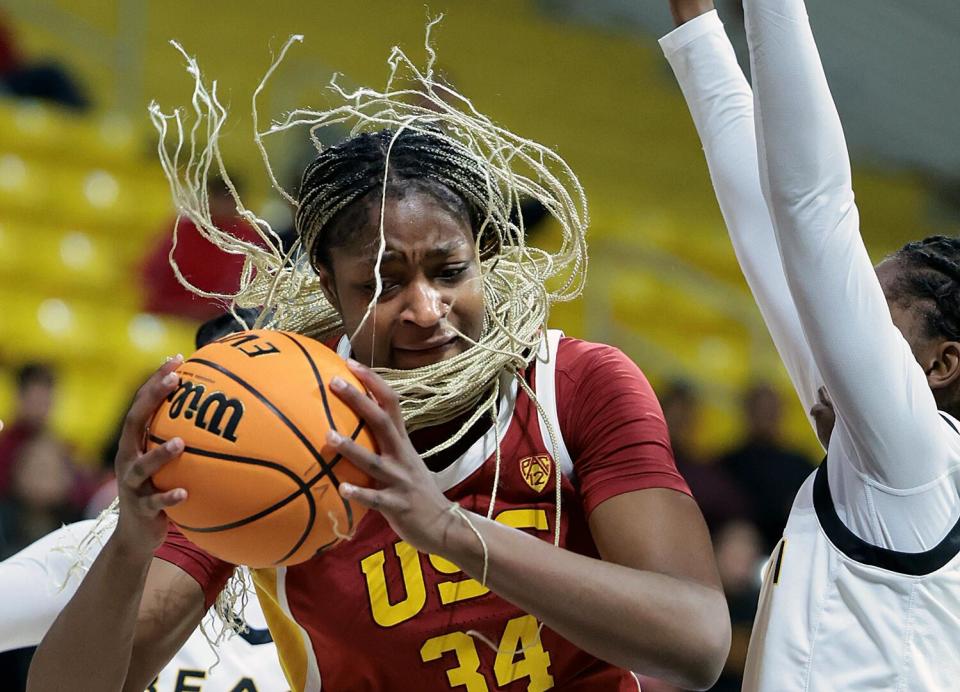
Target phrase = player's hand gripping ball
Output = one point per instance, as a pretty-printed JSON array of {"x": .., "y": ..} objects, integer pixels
[{"x": 253, "y": 411}]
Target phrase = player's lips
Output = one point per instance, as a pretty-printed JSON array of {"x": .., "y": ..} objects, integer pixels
[{"x": 433, "y": 345}]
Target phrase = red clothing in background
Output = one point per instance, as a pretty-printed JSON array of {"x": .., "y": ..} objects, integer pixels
[{"x": 202, "y": 263}]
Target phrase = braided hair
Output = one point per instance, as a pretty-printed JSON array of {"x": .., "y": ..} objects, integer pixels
[
  {"x": 932, "y": 273},
  {"x": 344, "y": 181}
]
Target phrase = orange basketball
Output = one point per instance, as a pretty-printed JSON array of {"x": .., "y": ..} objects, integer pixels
[{"x": 253, "y": 411}]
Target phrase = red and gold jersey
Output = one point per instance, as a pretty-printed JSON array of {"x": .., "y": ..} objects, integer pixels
[{"x": 374, "y": 614}]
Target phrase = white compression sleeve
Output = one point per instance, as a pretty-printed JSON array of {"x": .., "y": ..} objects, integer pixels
[
  {"x": 893, "y": 456},
  {"x": 721, "y": 103},
  {"x": 35, "y": 584}
]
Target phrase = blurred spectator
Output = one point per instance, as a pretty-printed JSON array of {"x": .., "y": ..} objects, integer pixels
[
  {"x": 763, "y": 464},
  {"x": 738, "y": 547},
  {"x": 202, "y": 263},
  {"x": 41, "y": 80},
  {"x": 35, "y": 388},
  {"x": 41, "y": 487},
  {"x": 720, "y": 497}
]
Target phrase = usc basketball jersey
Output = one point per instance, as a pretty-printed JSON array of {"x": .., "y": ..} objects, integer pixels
[{"x": 374, "y": 614}]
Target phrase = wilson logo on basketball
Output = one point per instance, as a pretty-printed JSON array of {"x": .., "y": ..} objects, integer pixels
[
  {"x": 536, "y": 471},
  {"x": 207, "y": 411}
]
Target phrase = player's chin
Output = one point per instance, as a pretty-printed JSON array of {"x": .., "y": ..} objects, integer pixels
[{"x": 410, "y": 359}]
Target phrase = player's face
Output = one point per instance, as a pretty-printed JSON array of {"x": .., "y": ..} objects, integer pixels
[{"x": 431, "y": 285}]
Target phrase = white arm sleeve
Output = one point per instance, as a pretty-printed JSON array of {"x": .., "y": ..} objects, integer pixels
[
  {"x": 39, "y": 581},
  {"x": 894, "y": 456},
  {"x": 721, "y": 103},
  {"x": 35, "y": 584},
  {"x": 877, "y": 387}
]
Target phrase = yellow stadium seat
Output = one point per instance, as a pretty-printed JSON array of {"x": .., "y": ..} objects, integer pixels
[
  {"x": 78, "y": 263},
  {"x": 24, "y": 185},
  {"x": 121, "y": 202},
  {"x": 7, "y": 394},
  {"x": 88, "y": 405},
  {"x": 40, "y": 130},
  {"x": 148, "y": 339},
  {"x": 27, "y": 127},
  {"x": 59, "y": 329},
  {"x": 13, "y": 250}
]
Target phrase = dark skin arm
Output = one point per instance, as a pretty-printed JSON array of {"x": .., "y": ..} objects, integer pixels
[
  {"x": 132, "y": 612},
  {"x": 653, "y": 604},
  {"x": 685, "y": 10}
]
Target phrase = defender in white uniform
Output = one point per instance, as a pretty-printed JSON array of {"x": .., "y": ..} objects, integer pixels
[
  {"x": 36, "y": 584},
  {"x": 863, "y": 592}
]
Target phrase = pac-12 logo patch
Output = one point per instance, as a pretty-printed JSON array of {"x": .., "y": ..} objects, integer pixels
[{"x": 536, "y": 471}]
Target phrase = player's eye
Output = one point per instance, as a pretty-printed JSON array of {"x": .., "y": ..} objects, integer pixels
[
  {"x": 386, "y": 286},
  {"x": 453, "y": 272}
]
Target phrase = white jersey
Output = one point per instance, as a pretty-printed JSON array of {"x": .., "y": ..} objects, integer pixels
[
  {"x": 863, "y": 592},
  {"x": 37, "y": 583}
]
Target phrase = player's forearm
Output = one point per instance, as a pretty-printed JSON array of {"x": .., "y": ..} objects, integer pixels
[
  {"x": 654, "y": 624},
  {"x": 89, "y": 645}
]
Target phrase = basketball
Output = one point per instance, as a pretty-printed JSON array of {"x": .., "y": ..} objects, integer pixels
[{"x": 253, "y": 411}]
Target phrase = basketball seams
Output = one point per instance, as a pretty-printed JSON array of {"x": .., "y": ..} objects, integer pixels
[
  {"x": 304, "y": 487},
  {"x": 318, "y": 457},
  {"x": 302, "y": 490},
  {"x": 237, "y": 458},
  {"x": 320, "y": 384}
]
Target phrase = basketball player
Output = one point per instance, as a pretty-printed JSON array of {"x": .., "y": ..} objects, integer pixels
[
  {"x": 430, "y": 594},
  {"x": 38, "y": 582},
  {"x": 863, "y": 591}
]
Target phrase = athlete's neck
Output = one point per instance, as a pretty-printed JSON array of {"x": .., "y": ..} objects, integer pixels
[{"x": 425, "y": 439}]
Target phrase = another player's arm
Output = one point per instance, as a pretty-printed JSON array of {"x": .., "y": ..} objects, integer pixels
[
  {"x": 37, "y": 584},
  {"x": 879, "y": 391},
  {"x": 132, "y": 612},
  {"x": 721, "y": 103},
  {"x": 653, "y": 604}
]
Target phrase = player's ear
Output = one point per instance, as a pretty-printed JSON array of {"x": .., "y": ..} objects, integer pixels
[
  {"x": 945, "y": 369},
  {"x": 328, "y": 285}
]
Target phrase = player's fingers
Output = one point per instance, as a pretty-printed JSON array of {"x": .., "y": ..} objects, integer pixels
[
  {"x": 368, "y": 497},
  {"x": 370, "y": 463},
  {"x": 824, "y": 397},
  {"x": 382, "y": 426},
  {"x": 153, "y": 503},
  {"x": 382, "y": 392},
  {"x": 148, "y": 398},
  {"x": 148, "y": 464}
]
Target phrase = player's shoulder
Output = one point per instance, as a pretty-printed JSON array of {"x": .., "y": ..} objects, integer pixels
[{"x": 578, "y": 359}]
